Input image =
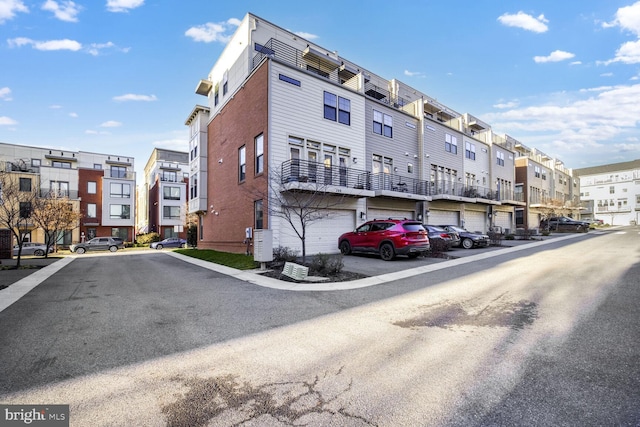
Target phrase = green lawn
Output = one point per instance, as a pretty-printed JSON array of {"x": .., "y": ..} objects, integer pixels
[{"x": 238, "y": 261}]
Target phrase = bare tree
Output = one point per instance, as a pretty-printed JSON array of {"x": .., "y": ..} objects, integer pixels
[
  {"x": 299, "y": 204},
  {"x": 17, "y": 199},
  {"x": 54, "y": 213}
]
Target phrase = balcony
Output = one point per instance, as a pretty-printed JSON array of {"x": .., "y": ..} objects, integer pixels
[
  {"x": 119, "y": 174},
  {"x": 302, "y": 175},
  {"x": 46, "y": 193}
]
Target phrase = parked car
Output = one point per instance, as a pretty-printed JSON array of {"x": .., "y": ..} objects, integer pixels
[
  {"x": 562, "y": 223},
  {"x": 98, "y": 244},
  {"x": 387, "y": 237},
  {"x": 171, "y": 242},
  {"x": 32, "y": 248},
  {"x": 468, "y": 239},
  {"x": 440, "y": 238}
]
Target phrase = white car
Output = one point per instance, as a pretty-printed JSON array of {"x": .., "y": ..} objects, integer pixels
[{"x": 32, "y": 248}]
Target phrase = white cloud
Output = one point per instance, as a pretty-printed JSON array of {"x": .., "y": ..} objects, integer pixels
[
  {"x": 606, "y": 75},
  {"x": 505, "y": 105},
  {"x": 9, "y": 8},
  {"x": 134, "y": 97},
  {"x": 123, "y": 5},
  {"x": 606, "y": 114},
  {"x": 111, "y": 124},
  {"x": 64, "y": 44},
  {"x": 64, "y": 11},
  {"x": 413, "y": 73},
  {"x": 96, "y": 48},
  {"x": 307, "y": 36},
  {"x": 576, "y": 63},
  {"x": 5, "y": 94},
  {"x": 627, "y": 18},
  {"x": 213, "y": 32},
  {"x": 73, "y": 115},
  {"x": 628, "y": 53},
  {"x": 7, "y": 121},
  {"x": 525, "y": 21},
  {"x": 555, "y": 56}
]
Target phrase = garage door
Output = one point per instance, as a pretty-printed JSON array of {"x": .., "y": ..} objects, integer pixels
[
  {"x": 443, "y": 217},
  {"x": 389, "y": 213},
  {"x": 504, "y": 220},
  {"x": 475, "y": 221},
  {"x": 322, "y": 236}
]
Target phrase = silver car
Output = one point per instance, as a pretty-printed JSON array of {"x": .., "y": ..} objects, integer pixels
[
  {"x": 32, "y": 248},
  {"x": 98, "y": 244}
]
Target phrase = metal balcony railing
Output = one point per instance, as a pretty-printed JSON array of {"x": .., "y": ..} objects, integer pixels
[{"x": 48, "y": 193}]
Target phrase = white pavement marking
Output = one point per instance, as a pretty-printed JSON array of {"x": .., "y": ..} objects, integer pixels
[
  {"x": 19, "y": 289},
  {"x": 268, "y": 282}
]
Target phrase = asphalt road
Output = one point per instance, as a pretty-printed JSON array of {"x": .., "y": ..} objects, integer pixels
[{"x": 546, "y": 336}]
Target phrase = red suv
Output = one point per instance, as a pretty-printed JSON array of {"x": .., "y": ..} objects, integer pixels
[{"x": 388, "y": 237}]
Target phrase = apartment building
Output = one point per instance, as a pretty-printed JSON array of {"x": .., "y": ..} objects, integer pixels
[
  {"x": 100, "y": 186},
  {"x": 166, "y": 180},
  {"x": 611, "y": 193},
  {"x": 286, "y": 116}
]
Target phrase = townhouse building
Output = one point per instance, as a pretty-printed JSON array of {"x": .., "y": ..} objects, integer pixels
[
  {"x": 100, "y": 186},
  {"x": 166, "y": 180},
  {"x": 611, "y": 193},
  {"x": 286, "y": 117},
  {"x": 548, "y": 187}
]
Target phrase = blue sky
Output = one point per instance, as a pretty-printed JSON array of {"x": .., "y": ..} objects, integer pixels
[{"x": 118, "y": 76}]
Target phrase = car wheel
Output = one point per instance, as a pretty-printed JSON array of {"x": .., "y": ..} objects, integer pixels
[
  {"x": 345, "y": 247},
  {"x": 113, "y": 248},
  {"x": 38, "y": 252},
  {"x": 467, "y": 243},
  {"x": 80, "y": 251},
  {"x": 387, "y": 252},
  {"x": 159, "y": 246}
]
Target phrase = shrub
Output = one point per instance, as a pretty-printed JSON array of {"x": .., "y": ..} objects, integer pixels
[
  {"x": 284, "y": 254},
  {"x": 325, "y": 264},
  {"x": 509, "y": 237},
  {"x": 145, "y": 239},
  {"x": 438, "y": 245}
]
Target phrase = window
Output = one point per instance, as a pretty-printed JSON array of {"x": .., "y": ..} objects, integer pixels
[
  {"x": 60, "y": 188},
  {"x": 344, "y": 111},
  {"x": 120, "y": 190},
  {"x": 25, "y": 184},
  {"x": 536, "y": 169},
  {"x": 289, "y": 80},
  {"x": 259, "y": 141},
  {"x": 409, "y": 168},
  {"x": 63, "y": 165},
  {"x": 118, "y": 172},
  {"x": 120, "y": 211},
  {"x": 216, "y": 95},
  {"x": 169, "y": 176},
  {"x": 97, "y": 166},
  {"x": 25, "y": 210},
  {"x": 450, "y": 144},
  {"x": 612, "y": 189},
  {"x": 171, "y": 193},
  {"x": 225, "y": 83},
  {"x": 35, "y": 163},
  {"x": 91, "y": 187},
  {"x": 171, "y": 212},
  {"x": 193, "y": 183},
  {"x": 382, "y": 124},
  {"x": 318, "y": 71},
  {"x": 259, "y": 214},
  {"x": 330, "y": 106},
  {"x": 500, "y": 158},
  {"x": 119, "y": 232},
  {"x": 242, "y": 163},
  {"x": 92, "y": 210},
  {"x": 470, "y": 151},
  {"x": 263, "y": 49}
]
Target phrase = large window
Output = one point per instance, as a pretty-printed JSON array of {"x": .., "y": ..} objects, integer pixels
[
  {"x": 193, "y": 184},
  {"x": 169, "y": 176},
  {"x": 470, "y": 151},
  {"x": 25, "y": 209},
  {"x": 120, "y": 190},
  {"x": 500, "y": 160},
  {"x": 25, "y": 184},
  {"x": 259, "y": 214},
  {"x": 118, "y": 172},
  {"x": 450, "y": 144},
  {"x": 337, "y": 108},
  {"x": 120, "y": 211},
  {"x": 259, "y": 141},
  {"x": 92, "y": 210},
  {"x": 60, "y": 188},
  {"x": 120, "y": 232},
  {"x": 91, "y": 187},
  {"x": 171, "y": 212},
  {"x": 63, "y": 165},
  {"x": 171, "y": 193},
  {"x": 382, "y": 124},
  {"x": 242, "y": 163}
]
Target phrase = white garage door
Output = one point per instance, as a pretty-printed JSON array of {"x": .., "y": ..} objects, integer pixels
[
  {"x": 322, "y": 235},
  {"x": 439, "y": 217},
  {"x": 504, "y": 220},
  {"x": 389, "y": 213},
  {"x": 475, "y": 221}
]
